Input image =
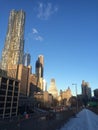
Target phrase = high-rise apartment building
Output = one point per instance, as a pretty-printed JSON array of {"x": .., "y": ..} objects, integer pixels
[
  {"x": 26, "y": 59},
  {"x": 52, "y": 89},
  {"x": 40, "y": 66},
  {"x": 14, "y": 43}
]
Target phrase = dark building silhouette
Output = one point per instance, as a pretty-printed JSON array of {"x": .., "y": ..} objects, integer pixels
[
  {"x": 86, "y": 90},
  {"x": 96, "y": 93},
  {"x": 40, "y": 66},
  {"x": 9, "y": 96}
]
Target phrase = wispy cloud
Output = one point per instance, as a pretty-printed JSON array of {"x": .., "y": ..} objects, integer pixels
[
  {"x": 38, "y": 38},
  {"x": 34, "y": 30},
  {"x": 35, "y": 35},
  {"x": 44, "y": 11}
]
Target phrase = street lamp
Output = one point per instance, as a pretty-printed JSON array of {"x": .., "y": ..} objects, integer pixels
[{"x": 76, "y": 96}]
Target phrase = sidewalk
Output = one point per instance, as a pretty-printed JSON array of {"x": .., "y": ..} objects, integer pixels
[{"x": 85, "y": 120}]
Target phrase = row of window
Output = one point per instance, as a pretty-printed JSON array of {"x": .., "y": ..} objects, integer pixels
[
  {"x": 9, "y": 93},
  {"x": 8, "y": 104},
  {"x": 4, "y": 86}
]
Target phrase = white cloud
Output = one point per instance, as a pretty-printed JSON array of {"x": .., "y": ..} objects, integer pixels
[
  {"x": 35, "y": 35},
  {"x": 46, "y": 10},
  {"x": 38, "y": 38},
  {"x": 34, "y": 30}
]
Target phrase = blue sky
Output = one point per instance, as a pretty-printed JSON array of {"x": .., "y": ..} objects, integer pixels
[{"x": 65, "y": 32}]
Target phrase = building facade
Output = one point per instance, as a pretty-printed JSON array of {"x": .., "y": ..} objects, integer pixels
[
  {"x": 44, "y": 98},
  {"x": 40, "y": 66},
  {"x": 22, "y": 73},
  {"x": 86, "y": 90},
  {"x": 33, "y": 85},
  {"x": 96, "y": 93},
  {"x": 65, "y": 96},
  {"x": 9, "y": 97},
  {"x": 13, "y": 51},
  {"x": 3, "y": 72},
  {"x": 52, "y": 89},
  {"x": 26, "y": 59}
]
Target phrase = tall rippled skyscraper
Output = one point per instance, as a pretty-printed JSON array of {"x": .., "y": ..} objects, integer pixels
[{"x": 13, "y": 51}]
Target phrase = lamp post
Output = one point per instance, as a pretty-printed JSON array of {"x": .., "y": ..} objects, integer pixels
[{"x": 76, "y": 96}]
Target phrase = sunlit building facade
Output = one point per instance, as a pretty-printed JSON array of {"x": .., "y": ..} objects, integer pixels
[
  {"x": 21, "y": 73},
  {"x": 13, "y": 51},
  {"x": 53, "y": 89},
  {"x": 65, "y": 96}
]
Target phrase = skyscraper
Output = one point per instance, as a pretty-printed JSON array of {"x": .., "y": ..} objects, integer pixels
[
  {"x": 40, "y": 66},
  {"x": 86, "y": 90},
  {"x": 53, "y": 90},
  {"x": 26, "y": 59},
  {"x": 14, "y": 43}
]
